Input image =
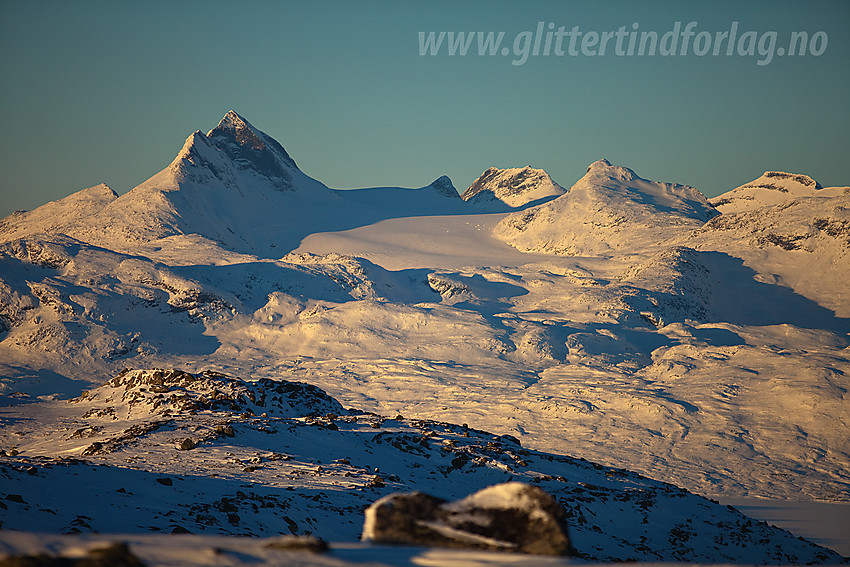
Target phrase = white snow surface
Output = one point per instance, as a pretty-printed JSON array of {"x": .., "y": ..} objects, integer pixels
[{"x": 626, "y": 321}]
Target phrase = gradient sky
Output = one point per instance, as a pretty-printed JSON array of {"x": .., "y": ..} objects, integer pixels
[{"x": 108, "y": 91}]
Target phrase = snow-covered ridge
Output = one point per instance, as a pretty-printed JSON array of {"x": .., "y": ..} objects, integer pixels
[
  {"x": 59, "y": 215},
  {"x": 235, "y": 187},
  {"x": 773, "y": 188},
  {"x": 608, "y": 210},
  {"x": 800, "y": 236},
  {"x": 513, "y": 187},
  {"x": 770, "y": 178},
  {"x": 167, "y": 393}
]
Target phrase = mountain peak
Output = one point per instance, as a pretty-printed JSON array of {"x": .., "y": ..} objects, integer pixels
[
  {"x": 444, "y": 186},
  {"x": 240, "y": 130},
  {"x": 624, "y": 210},
  {"x": 253, "y": 150},
  {"x": 598, "y": 164},
  {"x": 603, "y": 171},
  {"x": 233, "y": 119},
  {"x": 771, "y": 188},
  {"x": 514, "y": 186}
]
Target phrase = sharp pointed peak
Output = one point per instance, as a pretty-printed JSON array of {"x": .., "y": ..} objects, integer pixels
[
  {"x": 234, "y": 122},
  {"x": 444, "y": 186}
]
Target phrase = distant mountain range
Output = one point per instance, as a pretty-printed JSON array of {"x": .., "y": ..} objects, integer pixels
[{"x": 632, "y": 323}]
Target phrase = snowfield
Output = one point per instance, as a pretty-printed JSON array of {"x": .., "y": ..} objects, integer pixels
[{"x": 156, "y": 350}]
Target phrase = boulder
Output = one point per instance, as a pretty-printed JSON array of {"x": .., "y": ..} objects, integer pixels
[{"x": 513, "y": 516}]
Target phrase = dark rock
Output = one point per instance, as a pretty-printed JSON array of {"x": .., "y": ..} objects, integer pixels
[
  {"x": 165, "y": 481},
  {"x": 116, "y": 554},
  {"x": 40, "y": 560},
  {"x": 180, "y": 530},
  {"x": 225, "y": 431},
  {"x": 93, "y": 449},
  {"x": 297, "y": 543},
  {"x": 445, "y": 187},
  {"x": 376, "y": 482},
  {"x": 505, "y": 517},
  {"x": 174, "y": 391}
]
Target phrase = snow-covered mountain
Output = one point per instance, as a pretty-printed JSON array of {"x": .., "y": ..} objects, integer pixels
[
  {"x": 235, "y": 189},
  {"x": 609, "y": 210},
  {"x": 792, "y": 231},
  {"x": 627, "y": 322},
  {"x": 444, "y": 186},
  {"x": 513, "y": 187},
  {"x": 233, "y": 186},
  {"x": 772, "y": 188}
]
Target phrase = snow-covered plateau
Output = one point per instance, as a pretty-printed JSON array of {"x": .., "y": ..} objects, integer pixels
[{"x": 233, "y": 348}]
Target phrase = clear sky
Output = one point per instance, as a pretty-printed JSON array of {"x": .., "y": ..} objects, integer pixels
[{"x": 107, "y": 91}]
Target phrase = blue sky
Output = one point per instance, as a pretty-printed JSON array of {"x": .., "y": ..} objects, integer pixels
[{"x": 107, "y": 91}]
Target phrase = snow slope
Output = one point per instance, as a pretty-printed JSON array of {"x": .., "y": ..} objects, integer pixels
[
  {"x": 626, "y": 321},
  {"x": 792, "y": 232},
  {"x": 58, "y": 216}
]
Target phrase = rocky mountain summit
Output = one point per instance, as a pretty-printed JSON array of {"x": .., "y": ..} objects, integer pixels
[{"x": 513, "y": 187}]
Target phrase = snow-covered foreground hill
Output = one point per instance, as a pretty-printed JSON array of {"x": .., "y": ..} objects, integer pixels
[
  {"x": 631, "y": 323},
  {"x": 168, "y": 451}
]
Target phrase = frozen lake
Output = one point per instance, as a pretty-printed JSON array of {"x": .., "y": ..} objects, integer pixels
[{"x": 825, "y": 523}]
